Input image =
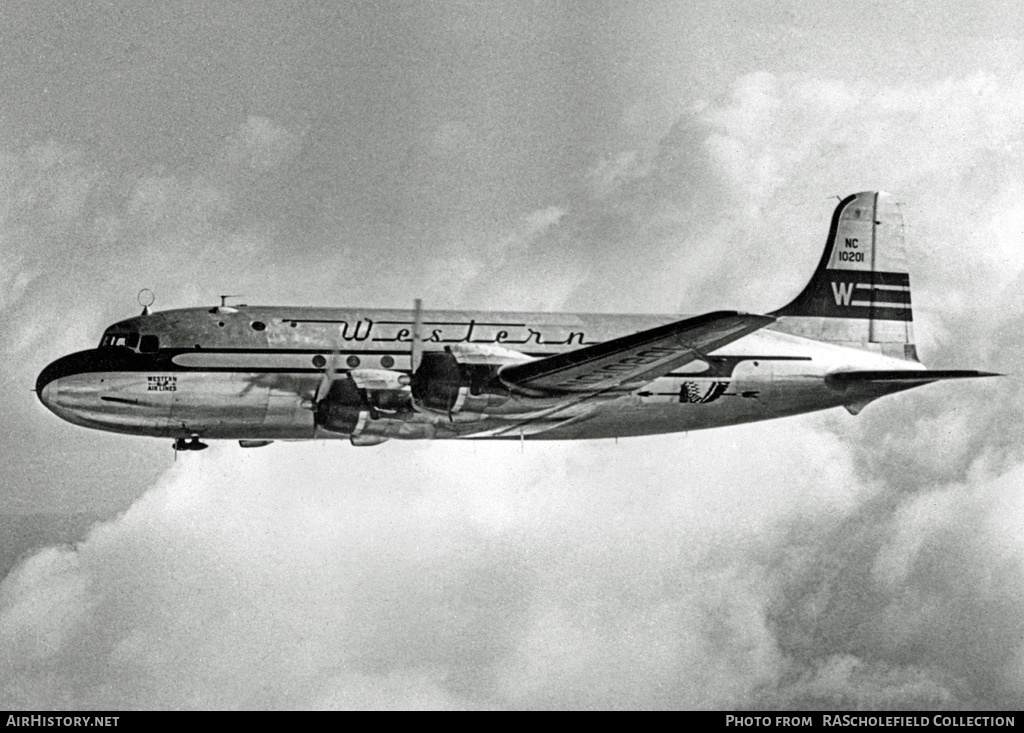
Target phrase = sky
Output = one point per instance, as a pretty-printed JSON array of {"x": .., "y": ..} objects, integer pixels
[{"x": 583, "y": 156}]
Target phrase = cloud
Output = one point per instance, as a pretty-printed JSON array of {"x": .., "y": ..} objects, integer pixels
[
  {"x": 261, "y": 144},
  {"x": 594, "y": 575},
  {"x": 613, "y": 172},
  {"x": 739, "y": 190},
  {"x": 539, "y": 579},
  {"x": 69, "y": 222},
  {"x": 79, "y": 238},
  {"x": 911, "y": 602},
  {"x": 509, "y": 270}
]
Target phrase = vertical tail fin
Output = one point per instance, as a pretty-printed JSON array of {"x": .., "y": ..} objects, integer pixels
[{"x": 860, "y": 293}]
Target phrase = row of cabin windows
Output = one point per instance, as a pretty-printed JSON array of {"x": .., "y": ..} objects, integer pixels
[{"x": 147, "y": 344}]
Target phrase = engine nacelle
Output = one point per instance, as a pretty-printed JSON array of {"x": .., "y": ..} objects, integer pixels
[
  {"x": 445, "y": 384},
  {"x": 342, "y": 408},
  {"x": 355, "y": 401}
]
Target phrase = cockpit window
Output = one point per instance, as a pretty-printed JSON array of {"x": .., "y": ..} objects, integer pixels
[
  {"x": 114, "y": 339},
  {"x": 131, "y": 340},
  {"x": 149, "y": 344}
]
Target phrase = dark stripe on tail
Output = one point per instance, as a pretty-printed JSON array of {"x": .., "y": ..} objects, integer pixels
[{"x": 853, "y": 294}]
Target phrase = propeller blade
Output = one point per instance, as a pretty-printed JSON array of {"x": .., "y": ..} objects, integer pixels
[
  {"x": 330, "y": 372},
  {"x": 332, "y": 365},
  {"x": 416, "y": 350}
]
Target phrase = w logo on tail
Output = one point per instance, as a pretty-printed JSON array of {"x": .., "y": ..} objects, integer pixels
[{"x": 842, "y": 292}]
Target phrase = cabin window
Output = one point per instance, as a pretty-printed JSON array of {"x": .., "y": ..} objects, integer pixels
[
  {"x": 352, "y": 361},
  {"x": 259, "y": 326},
  {"x": 149, "y": 344},
  {"x": 387, "y": 362}
]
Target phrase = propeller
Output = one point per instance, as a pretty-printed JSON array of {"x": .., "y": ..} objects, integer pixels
[
  {"x": 416, "y": 348},
  {"x": 365, "y": 381},
  {"x": 328, "y": 375}
]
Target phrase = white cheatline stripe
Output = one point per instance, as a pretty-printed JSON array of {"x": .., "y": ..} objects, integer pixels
[
  {"x": 872, "y": 286},
  {"x": 270, "y": 360},
  {"x": 876, "y": 304}
]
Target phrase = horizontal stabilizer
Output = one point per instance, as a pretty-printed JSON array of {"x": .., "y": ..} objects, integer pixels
[
  {"x": 635, "y": 359},
  {"x": 905, "y": 377}
]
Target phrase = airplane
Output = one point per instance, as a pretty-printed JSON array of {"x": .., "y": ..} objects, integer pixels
[{"x": 257, "y": 374}]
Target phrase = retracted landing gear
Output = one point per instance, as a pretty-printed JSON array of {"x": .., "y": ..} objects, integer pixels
[{"x": 193, "y": 444}]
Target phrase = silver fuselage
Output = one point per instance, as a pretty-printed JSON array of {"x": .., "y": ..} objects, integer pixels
[{"x": 250, "y": 373}]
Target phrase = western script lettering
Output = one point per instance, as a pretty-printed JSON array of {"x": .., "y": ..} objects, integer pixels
[
  {"x": 461, "y": 333},
  {"x": 355, "y": 335},
  {"x": 455, "y": 332}
]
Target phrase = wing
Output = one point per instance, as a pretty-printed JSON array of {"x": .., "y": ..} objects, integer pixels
[{"x": 630, "y": 361}]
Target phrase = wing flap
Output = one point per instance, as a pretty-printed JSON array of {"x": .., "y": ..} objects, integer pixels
[{"x": 632, "y": 360}]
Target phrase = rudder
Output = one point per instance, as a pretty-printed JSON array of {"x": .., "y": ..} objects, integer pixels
[{"x": 859, "y": 294}]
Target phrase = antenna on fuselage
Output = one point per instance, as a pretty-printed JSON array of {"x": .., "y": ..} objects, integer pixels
[
  {"x": 224, "y": 307},
  {"x": 146, "y": 298}
]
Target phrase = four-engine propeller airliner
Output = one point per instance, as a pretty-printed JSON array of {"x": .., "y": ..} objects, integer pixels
[{"x": 258, "y": 374}]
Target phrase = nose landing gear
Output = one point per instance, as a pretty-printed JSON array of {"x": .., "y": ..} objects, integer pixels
[{"x": 193, "y": 444}]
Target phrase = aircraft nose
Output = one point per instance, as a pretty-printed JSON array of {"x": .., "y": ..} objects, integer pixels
[
  {"x": 72, "y": 387},
  {"x": 47, "y": 384},
  {"x": 48, "y": 394}
]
